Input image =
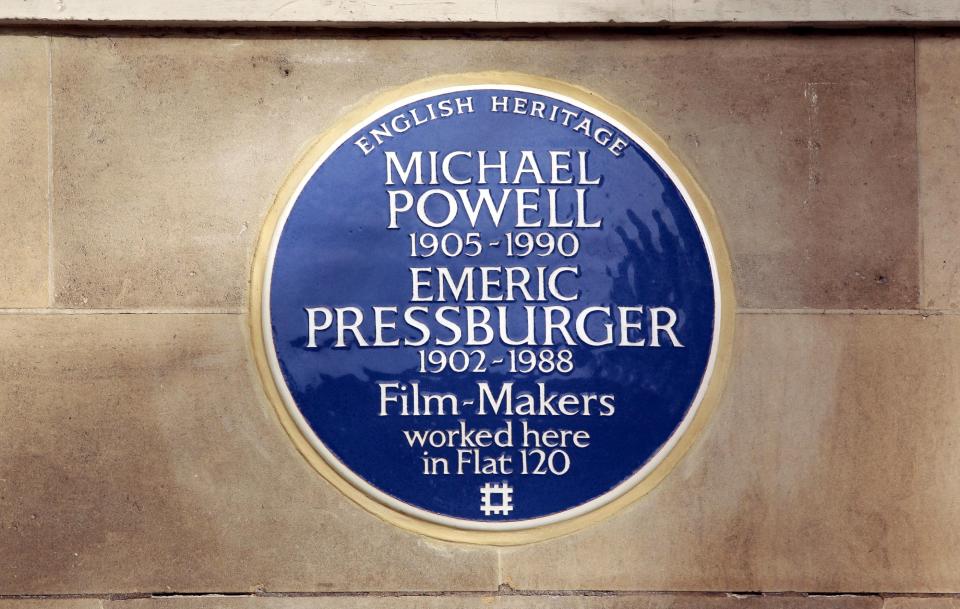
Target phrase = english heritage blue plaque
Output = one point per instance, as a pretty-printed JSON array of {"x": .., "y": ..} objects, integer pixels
[{"x": 492, "y": 305}]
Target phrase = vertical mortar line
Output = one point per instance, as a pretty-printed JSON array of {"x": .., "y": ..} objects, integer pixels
[
  {"x": 50, "y": 284},
  {"x": 921, "y": 257}
]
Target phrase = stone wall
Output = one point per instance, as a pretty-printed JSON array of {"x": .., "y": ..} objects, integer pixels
[{"x": 141, "y": 465}]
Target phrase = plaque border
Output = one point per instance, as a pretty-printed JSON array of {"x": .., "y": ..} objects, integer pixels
[{"x": 710, "y": 390}]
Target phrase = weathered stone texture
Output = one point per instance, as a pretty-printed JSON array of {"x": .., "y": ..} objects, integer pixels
[
  {"x": 169, "y": 151},
  {"x": 938, "y": 114},
  {"x": 137, "y": 455},
  {"x": 24, "y": 83},
  {"x": 829, "y": 466},
  {"x": 920, "y": 602}
]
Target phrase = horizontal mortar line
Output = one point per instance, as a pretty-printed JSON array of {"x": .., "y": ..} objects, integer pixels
[
  {"x": 504, "y": 591},
  {"x": 508, "y": 591},
  {"x": 920, "y": 312},
  {"x": 216, "y": 23},
  {"x": 56, "y": 311}
]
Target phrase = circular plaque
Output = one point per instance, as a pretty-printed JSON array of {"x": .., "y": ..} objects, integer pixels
[{"x": 491, "y": 307}]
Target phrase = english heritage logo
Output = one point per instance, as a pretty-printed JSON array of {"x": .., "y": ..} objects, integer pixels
[{"x": 492, "y": 307}]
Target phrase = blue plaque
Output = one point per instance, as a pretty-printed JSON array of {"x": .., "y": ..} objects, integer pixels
[{"x": 492, "y": 308}]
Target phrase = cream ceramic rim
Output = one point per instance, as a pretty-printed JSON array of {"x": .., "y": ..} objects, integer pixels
[{"x": 423, "y": 521}]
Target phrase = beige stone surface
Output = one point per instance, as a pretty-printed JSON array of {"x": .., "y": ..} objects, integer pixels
[
  {"x": 829, "y": 466},
  {"x": 595, "y": 601},
  {"x": 938, "y": 133},
  {"x": 137, "y": 455},
  {"x": 51, "y": 603},
  {"x": 25, "y": 84},
  {"x": 806, "y": 147},
  {"x": 908, "y": 602},
  {"x": 169, "y": 150}
]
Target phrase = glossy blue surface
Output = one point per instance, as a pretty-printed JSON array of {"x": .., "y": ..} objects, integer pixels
[{"x": 335, "y": 250}]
